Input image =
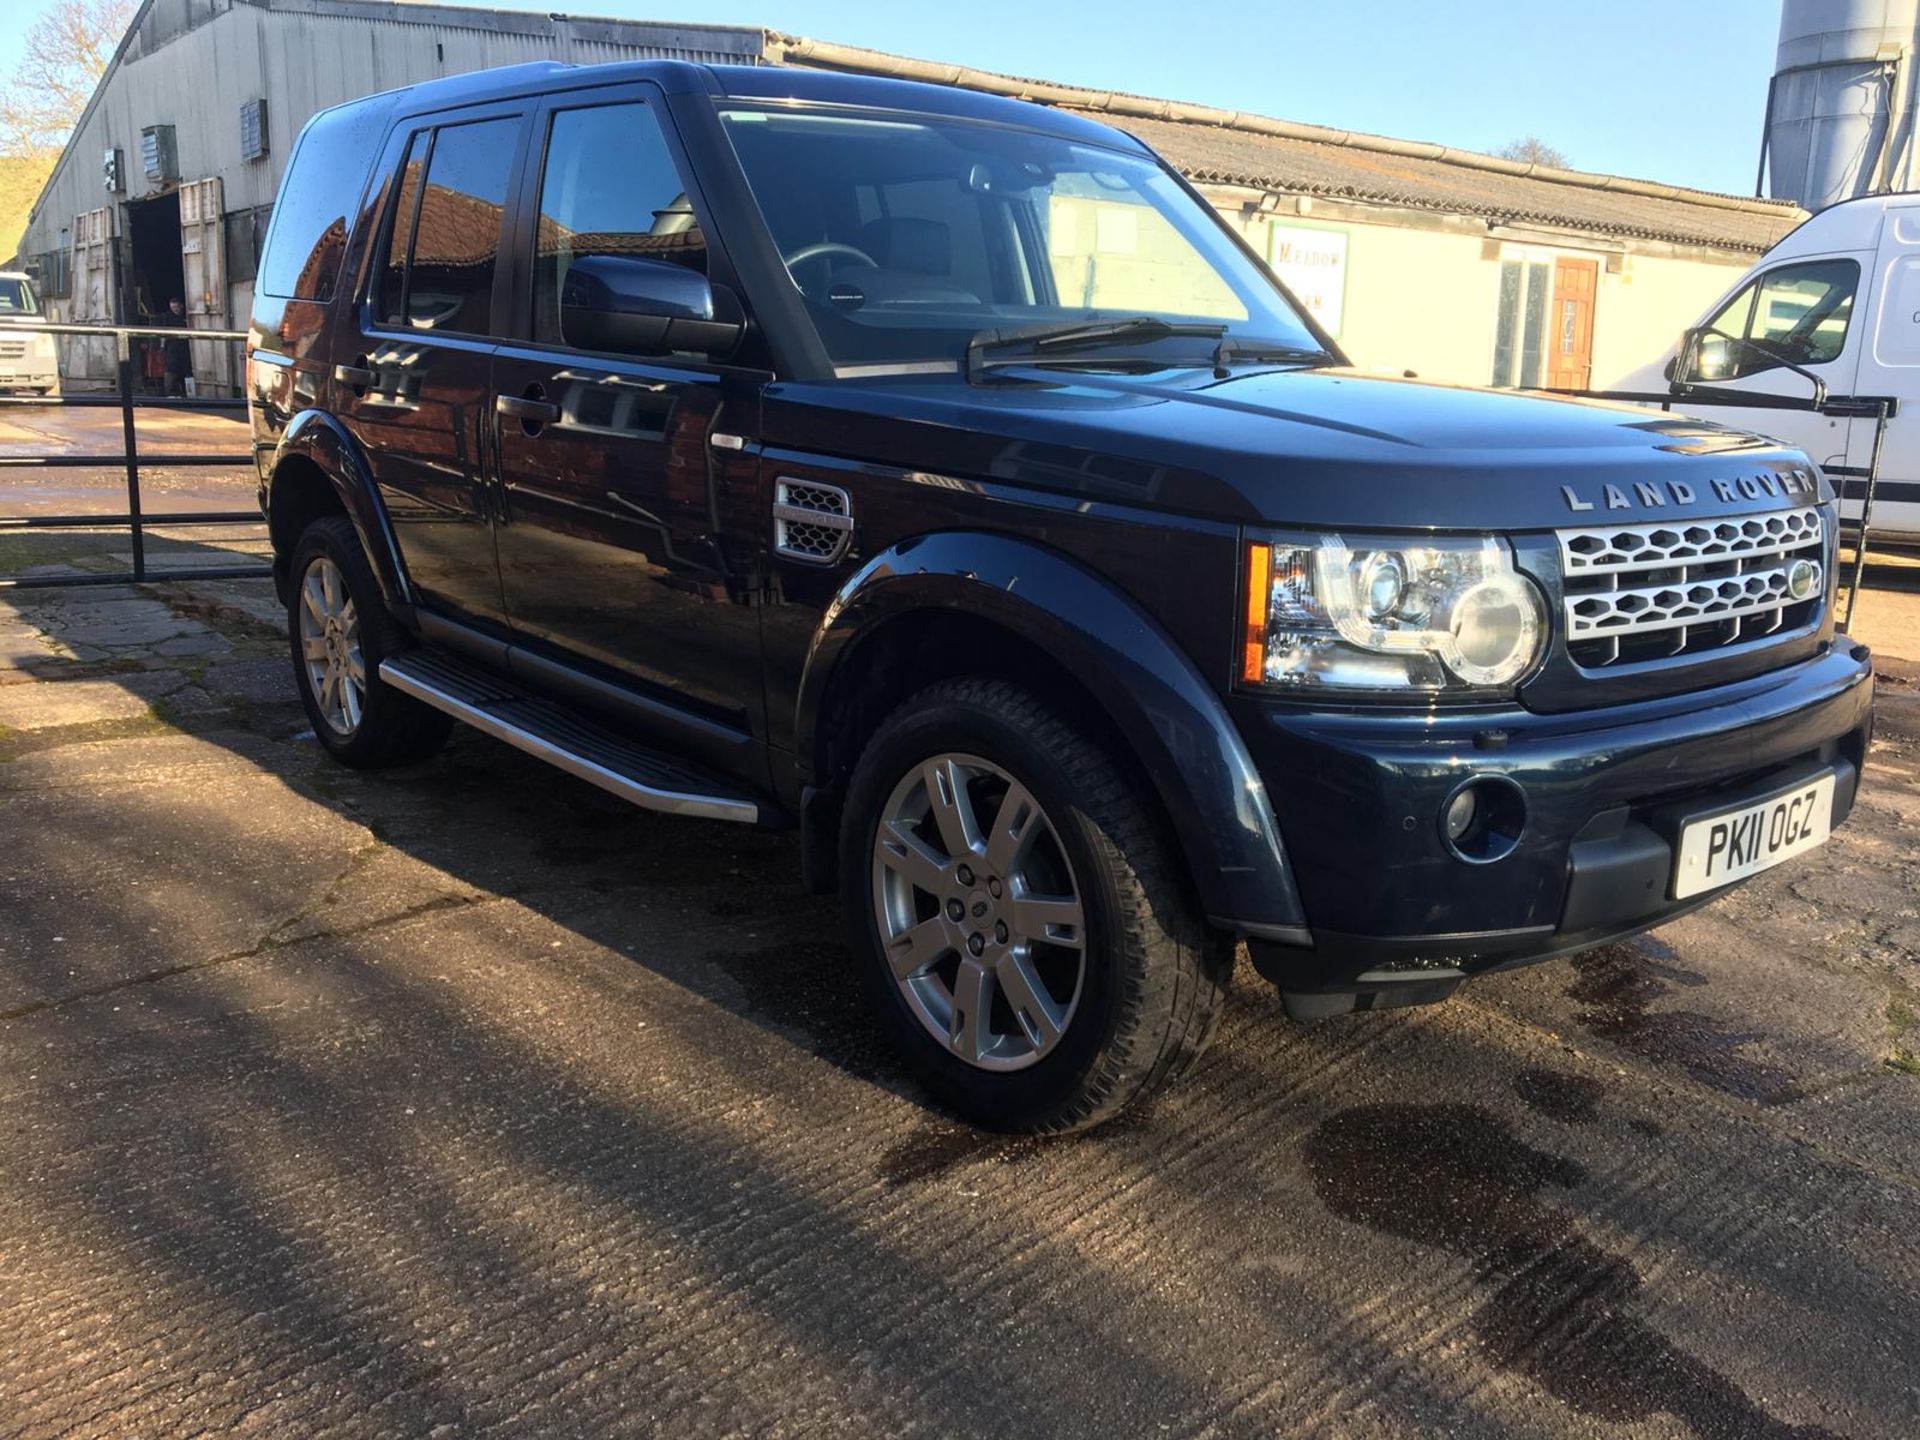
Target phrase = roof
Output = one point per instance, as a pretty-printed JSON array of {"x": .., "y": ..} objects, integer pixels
[
  {"x": 1214, "y": 146},
  {"x": 1216, "y": 154}
]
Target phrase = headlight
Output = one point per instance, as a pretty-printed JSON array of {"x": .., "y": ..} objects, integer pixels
[
  {"x": 1385, "y": 615},
  {"x": 43, "y": 346}
]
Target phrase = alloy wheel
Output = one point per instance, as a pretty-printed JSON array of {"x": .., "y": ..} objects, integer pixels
[
  {"x": 330, "y": 646},
  {"x": 980, "y": 915}
]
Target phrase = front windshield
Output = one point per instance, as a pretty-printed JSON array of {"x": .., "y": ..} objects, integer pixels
[
  {"x": 16, "y": 297},
  {"x": 909, "y": 237}
]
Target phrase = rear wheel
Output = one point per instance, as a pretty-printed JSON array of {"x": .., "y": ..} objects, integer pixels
[
  {"x": 340, "y": 632},
  {"x": 1023, "y": 930}
]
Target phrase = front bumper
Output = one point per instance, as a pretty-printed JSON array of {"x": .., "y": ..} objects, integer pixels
[{"x": 1396, "y": 917}]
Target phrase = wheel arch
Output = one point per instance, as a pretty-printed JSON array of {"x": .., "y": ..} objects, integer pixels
[
  {"x": 318, "y": 470},
  {"x": 963, "y": 602}
]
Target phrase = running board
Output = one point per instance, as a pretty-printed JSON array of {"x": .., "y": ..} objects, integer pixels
[{"x": 566, "y": 739}]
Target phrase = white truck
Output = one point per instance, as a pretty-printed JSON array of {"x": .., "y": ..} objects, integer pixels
[
  {"x": 28, "y": 360},
  {"x": 1838, "y": 298}
]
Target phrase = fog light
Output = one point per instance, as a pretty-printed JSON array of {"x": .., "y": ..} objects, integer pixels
[
  {"x": 1460, "y": 814},
  {"x": 1482, "y": 820}
]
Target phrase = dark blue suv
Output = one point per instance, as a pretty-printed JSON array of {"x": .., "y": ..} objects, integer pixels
[{"x": 938, "y": 474}]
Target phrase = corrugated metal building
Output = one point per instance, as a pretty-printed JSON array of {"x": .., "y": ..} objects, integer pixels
[{"x": 1456, "y": 265}]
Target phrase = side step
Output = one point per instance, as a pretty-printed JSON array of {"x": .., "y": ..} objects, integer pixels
[{"x": 567, "y": 739}]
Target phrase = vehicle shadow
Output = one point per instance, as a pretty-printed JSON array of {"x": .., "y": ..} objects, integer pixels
[{"x": 457, "y": 1158}]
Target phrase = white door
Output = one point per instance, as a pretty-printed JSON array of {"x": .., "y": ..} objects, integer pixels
[
  {"x": 203, "y": 266},
  {"x": 1890, "y": 366},
  {"x": 1799, "y": 311},
  {"x": 94, "y": 289}
]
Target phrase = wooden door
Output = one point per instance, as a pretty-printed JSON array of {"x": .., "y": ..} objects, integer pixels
[
  {"x": 203, "y": 266},
  {"x": 1570, "y": 341},
  {"x": 83, "y": 357}
]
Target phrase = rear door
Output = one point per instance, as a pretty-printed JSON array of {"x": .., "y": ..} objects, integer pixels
[
  {"x": 413, "y": 372},
  {"x": 629, "y": 541}
]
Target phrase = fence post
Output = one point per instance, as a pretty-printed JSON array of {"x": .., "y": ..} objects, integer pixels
[{"x": 132, "y": 447}]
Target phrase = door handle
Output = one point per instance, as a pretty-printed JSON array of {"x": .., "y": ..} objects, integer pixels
[
  {"x": 359, "y": 377},
  {"x": 525, "y": 410}
]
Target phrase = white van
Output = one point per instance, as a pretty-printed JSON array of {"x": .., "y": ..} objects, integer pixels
[
  {"x": 1840, "y": 298},
  {"x": 27, "y": 361}
]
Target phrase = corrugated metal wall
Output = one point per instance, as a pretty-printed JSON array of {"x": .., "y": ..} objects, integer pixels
[{"x": 194, "y": 63}]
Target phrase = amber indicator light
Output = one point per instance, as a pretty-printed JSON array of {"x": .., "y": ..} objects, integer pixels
[{"x": 1259, "y": 585}]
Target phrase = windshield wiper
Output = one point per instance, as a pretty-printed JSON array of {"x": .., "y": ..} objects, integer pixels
[
  {"x": 1036, "y": 341},
  {"x": 1231, "y": 349}
]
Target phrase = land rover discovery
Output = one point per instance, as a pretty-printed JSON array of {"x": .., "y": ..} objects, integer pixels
[{"x": 939, "y": 475}]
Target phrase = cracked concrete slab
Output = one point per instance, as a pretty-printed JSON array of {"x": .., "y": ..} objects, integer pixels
[{"x": 82, "y": 702}]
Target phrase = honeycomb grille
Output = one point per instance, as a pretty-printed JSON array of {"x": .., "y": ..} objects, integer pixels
[
  {"x": 1648, "y": 592},
  {"x": 811, "y": 522}
]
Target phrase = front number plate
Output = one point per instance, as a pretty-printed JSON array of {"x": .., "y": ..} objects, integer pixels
[{"x": 1722, "y": 848}]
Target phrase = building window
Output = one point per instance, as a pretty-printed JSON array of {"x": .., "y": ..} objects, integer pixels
[
  {"x": 246, "y": 236},
  {"x": 1519, "y": 338},
  {"x": 1543, "y": 331}
]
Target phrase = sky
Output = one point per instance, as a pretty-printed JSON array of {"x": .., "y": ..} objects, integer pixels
[{"x": 1670, "y": 90}]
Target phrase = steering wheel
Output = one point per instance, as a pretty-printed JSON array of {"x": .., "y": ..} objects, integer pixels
[{"x": 829, "y": 247}]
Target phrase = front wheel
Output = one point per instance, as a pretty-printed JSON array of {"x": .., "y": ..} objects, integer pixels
[{"x": 1019, "y": 917}]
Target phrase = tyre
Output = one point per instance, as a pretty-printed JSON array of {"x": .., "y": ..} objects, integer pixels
[
  {"x": 340, "y": 631},
  {"x": 1020, "y": 921}
]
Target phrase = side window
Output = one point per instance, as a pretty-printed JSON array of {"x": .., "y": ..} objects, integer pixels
[
  {"x": 390, "y": 292},
  {"x": 443, "y": 279},
  {"x": 1794, "y": 314},
  {"x": 609, "y": 187},
  {"x": 308, "y": 232}
]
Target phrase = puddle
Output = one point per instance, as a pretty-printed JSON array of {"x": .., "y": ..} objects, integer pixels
[
  {"x": 1570, "y": 1099},
  {"x": 1618, "y": 986},
  {"x": 1561, "y": 1313}
]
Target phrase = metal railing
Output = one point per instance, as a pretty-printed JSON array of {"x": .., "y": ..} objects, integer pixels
[{"x": 130, "y": 458}]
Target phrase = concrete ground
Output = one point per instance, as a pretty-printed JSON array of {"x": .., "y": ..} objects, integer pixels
[{"x": 464, "y": 1100}]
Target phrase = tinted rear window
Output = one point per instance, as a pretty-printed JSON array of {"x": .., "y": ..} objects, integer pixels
[{"x": 317, "y": 201}]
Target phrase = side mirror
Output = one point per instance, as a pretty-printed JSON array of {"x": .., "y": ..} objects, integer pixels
[
  {"x": 631, "y": 306},
  {"x": 1713, "y": 358}
]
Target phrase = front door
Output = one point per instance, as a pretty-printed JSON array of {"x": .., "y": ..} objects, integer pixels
[
  {"x": 413, "y": 383},
  {"x": 1570, "y": 339},
  {"x": 617, "y": 501},
  {"x": 1785, "y": 324}
]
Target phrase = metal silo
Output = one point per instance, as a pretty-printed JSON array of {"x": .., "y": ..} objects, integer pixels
[{"x": 1840, "y": 109}]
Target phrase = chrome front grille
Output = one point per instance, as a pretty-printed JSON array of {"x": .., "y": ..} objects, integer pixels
[{"x": 1649, "y": 592}]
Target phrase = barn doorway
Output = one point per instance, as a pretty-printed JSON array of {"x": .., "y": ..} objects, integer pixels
[
  {"x": 156, "y": 275},
  {"x": 155, "y": 272}
]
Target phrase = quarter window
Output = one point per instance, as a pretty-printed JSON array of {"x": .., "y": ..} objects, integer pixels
[
  {"x": 609, "y": 188},
  {"x": 446, "y": 230},
  {"x": 1795, "y": 314}
]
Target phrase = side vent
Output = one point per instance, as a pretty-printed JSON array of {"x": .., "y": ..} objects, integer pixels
[{"x": 811, "y": 522}]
